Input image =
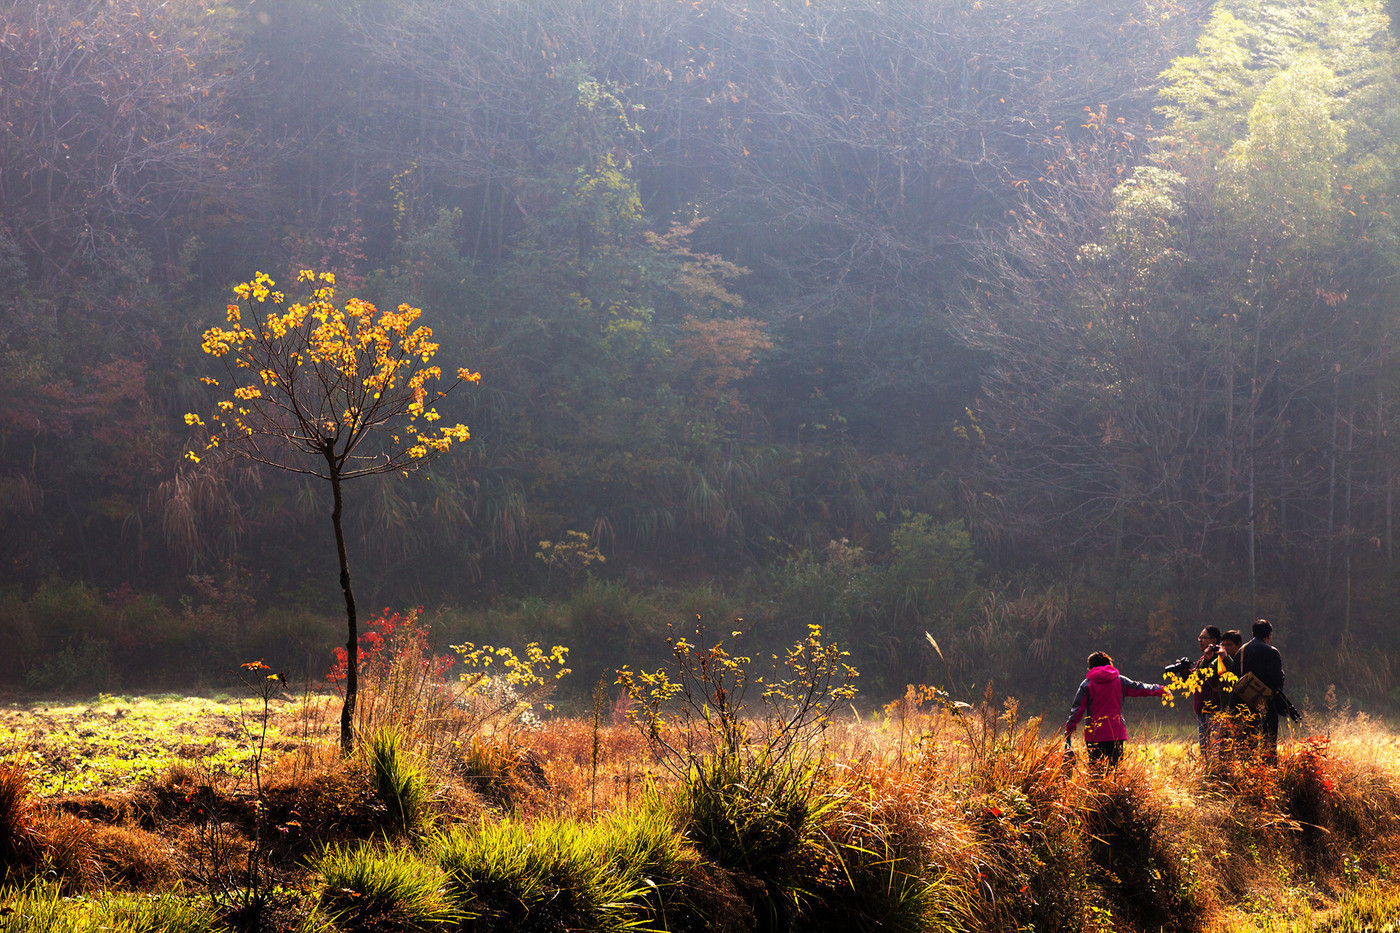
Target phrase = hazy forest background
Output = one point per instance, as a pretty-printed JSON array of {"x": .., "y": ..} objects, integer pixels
[{"x": 1033, "y": 325}]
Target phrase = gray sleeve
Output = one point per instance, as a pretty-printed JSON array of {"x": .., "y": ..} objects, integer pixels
[{"x": 1078, "y": 707}]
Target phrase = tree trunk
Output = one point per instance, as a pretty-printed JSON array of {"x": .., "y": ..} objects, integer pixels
[
  {"x": 1387, "y": 471},
  {"x": 352, "y": 644},
  {"x": 1332, "y": 480},
  {"x": 1255, "y": 393},
  {"x": 1347, "y": 519}
]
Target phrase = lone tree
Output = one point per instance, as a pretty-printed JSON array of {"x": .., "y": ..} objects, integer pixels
[{"x": 337, "y": 393}]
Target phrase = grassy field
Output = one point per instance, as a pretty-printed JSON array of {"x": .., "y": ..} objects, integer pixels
[{"x": 679, "y": 807}]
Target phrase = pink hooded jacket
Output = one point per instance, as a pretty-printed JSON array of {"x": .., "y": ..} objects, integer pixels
[{"x": 1100, "y": 698}]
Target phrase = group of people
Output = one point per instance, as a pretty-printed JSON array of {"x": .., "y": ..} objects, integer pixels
[{"x": 1238, "y": 692}]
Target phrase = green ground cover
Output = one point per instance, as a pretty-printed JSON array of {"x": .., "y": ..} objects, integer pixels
[{"x": 114, "y": 742}]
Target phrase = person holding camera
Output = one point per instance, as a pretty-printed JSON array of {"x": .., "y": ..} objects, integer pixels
[
  {"x": 1263, "y": 660},
  {"x": 1099, "y": 702},
  {"x": 1206, "y": 701}
]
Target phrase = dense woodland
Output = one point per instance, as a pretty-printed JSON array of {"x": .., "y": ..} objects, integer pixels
[{"x": 1019, "y": 326}]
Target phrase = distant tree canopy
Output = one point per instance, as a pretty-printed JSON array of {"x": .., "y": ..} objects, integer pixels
[
  {"x": 1108, "y": 284},
  {"x": 1195, "y": 357}
]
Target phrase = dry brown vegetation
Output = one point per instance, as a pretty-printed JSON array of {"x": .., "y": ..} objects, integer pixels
[{"x": 928, "y": 816}]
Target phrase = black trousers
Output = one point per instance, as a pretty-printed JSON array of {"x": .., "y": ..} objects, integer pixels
[{"x": 1111, "y": 751}]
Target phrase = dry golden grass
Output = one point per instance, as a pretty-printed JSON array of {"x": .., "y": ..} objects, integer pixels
[
  {"x": 132, "y": 858},
  {"x": 593, "y": 771},
  {"x": 980, "y": 798}
]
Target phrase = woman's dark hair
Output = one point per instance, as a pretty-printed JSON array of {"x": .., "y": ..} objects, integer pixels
[{"x": 1100, "y": 659}]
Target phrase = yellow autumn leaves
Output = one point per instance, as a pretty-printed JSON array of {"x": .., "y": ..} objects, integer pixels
[{"x": 316, "y": 374}]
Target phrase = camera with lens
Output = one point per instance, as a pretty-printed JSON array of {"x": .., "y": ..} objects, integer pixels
[{"x": 1181, "y": 667}]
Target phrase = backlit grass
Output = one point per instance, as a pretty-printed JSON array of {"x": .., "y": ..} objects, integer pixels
[
  {"x": 114, "y": 742},
  {"x": 933, "y": 817}
]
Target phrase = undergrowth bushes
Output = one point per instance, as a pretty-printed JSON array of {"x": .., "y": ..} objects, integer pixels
[
  {"x": 758, "y": 812},
  {"x": 1136, "y": 852}
]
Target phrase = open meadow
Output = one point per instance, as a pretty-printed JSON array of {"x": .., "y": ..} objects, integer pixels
[{"x": 696, "y": 798}]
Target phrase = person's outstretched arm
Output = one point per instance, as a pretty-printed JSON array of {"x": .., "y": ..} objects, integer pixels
[{"x": 1132, "y": 688}]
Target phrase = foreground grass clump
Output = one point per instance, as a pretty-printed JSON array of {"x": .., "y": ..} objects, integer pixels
[
  {"x": 627, "y": 871},
  {"x": 403, "y": 788},
  {"x": 382, "y": 887},
  {"x": 1134, "y": 846},
  {"x": 736, "y": 801},
  {"x": 42, "y": 908},
  {"x": 607, "y": 876}
]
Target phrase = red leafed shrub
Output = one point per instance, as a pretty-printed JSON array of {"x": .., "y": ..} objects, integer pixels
[{"x": 388, "y": 642}]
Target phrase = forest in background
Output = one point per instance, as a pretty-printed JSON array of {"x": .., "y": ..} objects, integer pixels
[{"x": 1024, "y": 328}]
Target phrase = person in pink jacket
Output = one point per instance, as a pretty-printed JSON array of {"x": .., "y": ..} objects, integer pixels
[{"x": 1099, "y": 702}]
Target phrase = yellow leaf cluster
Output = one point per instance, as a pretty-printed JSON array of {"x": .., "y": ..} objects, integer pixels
[{"x": 316, "y": 373}]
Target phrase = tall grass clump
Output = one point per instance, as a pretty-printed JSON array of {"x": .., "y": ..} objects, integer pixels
[
  {"x": 757, "y": 795},
  {"x": 762, "y": 819},
  {"x": 1330, "y": 814},
  {"x": 558, "y": 875},
  {"x": 18, "y": 835},
  {"x": 676, "y": 891},
  {"x": 401, "y": 783},
  {"x": 1010, "y": 830},
  {"x": 1354, "y": 807},
  {"x": 368, "y": 888},
  {"x": 38, "y": 842},
  {"x": 879, "y": 874},
  {"x": 1137, "y": 852}
]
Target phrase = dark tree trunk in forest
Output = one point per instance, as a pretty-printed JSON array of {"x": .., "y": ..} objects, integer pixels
[
  {"x": 1332, "y": 479},
  {"x": 352, "y": 643}
]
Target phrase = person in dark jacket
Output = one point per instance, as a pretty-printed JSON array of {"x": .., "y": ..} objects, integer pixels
[
  {"x": 1228, "y": 662},
  {"x": 1099, "y": 702},
  {"x": 1206, "y": 700},
  {"x": 1228, "y": 723},
  {"x": 1260, "y": 658}
]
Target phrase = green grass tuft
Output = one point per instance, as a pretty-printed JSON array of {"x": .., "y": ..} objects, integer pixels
[
  {"x": 42, "y": 908},
  {"x": 369, "y": 889},
  {"x": 400, "y": 782},
  {"x": 761, "y": 817},
  {"x": 610, "y": 876}
]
